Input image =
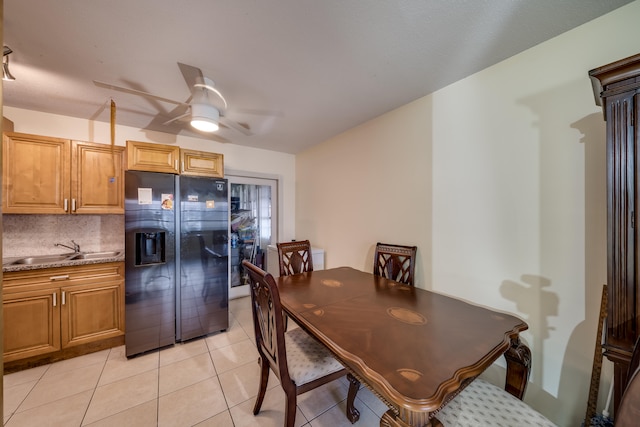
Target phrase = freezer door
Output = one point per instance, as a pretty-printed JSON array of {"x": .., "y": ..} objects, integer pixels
[
  {"x": 204, "y": 259},
  {"x": 149, "y": 262}
]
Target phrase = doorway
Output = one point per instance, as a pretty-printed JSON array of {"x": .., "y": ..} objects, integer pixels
[{"x": 253, "y": 204}]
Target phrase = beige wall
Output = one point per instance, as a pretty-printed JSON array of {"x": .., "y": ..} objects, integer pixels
[
  {"x": 499, "y": 179},
  {"x": 236, "y": 158}
]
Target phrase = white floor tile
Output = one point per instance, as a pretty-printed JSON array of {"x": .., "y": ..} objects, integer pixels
[
  {"x": 59, "y": 386},
  {"x": 182, "y": 351},
  {"x": 185, "y": 373},
  {"x": 119, "y": 367},
  {"x": 207, "y": 382},
  {"x": 144, "y": 415},
  {"x": 271, "y": 413},
  {"x": 234, "y": 356},
  {"x": 67, "y": 411},
  {"x": 241, "y": 384},
  {"x": 192, "y": 404},
  {"x": 118, "y": 396}
]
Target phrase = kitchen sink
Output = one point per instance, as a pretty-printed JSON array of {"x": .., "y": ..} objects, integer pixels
[
  {"x": 46, "y": 259},
  {"x": 43, "y": 259},
  {"x": 97, "y": 255}
]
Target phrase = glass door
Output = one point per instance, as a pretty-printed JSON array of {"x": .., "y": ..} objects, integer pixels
[{"x": 253, "y": 208}]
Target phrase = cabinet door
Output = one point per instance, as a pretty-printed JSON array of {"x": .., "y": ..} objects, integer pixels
[
  {"x": 35, "y": 174},
  {"x": 145, "y": 156},
  {"x": 31, "y": 323},
  {"x": 621, "y": 197},
  {"x": 202, "y": 163},
  {"x": 92, "y": 312},
  {"x": 97, "y": 181}
]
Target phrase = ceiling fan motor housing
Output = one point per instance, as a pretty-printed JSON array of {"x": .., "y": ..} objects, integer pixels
[{"x": 204, "y": 117}]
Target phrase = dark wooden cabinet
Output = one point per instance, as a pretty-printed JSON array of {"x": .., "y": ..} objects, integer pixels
[{"x": 617, "y": 89}]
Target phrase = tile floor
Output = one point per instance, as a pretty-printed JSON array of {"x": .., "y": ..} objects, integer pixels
[{"x": 207, "y": 382}]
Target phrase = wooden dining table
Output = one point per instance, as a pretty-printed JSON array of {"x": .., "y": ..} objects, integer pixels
[{"x": 415, "y": 349}]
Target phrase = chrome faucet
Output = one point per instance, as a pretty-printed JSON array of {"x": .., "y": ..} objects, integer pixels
[{"x": 76, "y": 247}]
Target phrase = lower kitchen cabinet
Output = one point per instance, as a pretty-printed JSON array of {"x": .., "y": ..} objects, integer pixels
[
  {"x": 91, "y": 312},
  {"x": 51, "y": 310},
  {"x": 31, "y": 323}
]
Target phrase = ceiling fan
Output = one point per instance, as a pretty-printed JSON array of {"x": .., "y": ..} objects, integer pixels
[{"x": 205, "y": 107}]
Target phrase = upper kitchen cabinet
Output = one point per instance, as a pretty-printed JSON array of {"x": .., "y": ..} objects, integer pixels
[
  {"x": 146, "y": 156},
  {"x": 46, "y": 175},
  {"x": 97, "y": 181},
  {"x": 202, "y": 163}
]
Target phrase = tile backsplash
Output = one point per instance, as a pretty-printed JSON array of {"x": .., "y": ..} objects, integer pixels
[{"x": 26, "y": 235}]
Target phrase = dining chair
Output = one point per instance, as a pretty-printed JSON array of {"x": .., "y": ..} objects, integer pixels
[
  {"x": 294, "y": 257},
  {"x": 300, "y": 362},
  {"x": 482, "y": 404},
  {"x": 395, "y": 262}
]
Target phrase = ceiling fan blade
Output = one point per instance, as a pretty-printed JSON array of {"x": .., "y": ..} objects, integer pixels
[
  {"x": 240, "y": 127},
  {"x": 191, "y": 74},
  {"x": 137, "y": 92},
  {"x": 177, "y": 118}
]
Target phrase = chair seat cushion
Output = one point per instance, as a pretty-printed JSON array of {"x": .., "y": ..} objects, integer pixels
[
  {"x": 307, "y": 358},
  {"x": 484, "y": 404}
]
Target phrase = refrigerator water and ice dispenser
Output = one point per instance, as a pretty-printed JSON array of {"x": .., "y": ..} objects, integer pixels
[{"x": 150, "y": 248}]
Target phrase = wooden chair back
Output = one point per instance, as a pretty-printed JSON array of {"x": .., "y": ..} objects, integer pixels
[
  {"x": 312, "y": 363},
  {"x": 267, "y": 320},
  {"x": 294, "y": 257},
  {"x": 395, "y": 262}
]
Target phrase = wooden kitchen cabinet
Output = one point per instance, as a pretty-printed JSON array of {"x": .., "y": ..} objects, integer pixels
[
  {"x": 92, "y": 311},
  {"x": 32, "y": 323},
  {"x": 46, "y": 175},
  {"x": 97, "y": 179},
  {"x": 146, "y": 156},
  {"x": 201, "y": 163},
  {"x": 51, "y": 310}
]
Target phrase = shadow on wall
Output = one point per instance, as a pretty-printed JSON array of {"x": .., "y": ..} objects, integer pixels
[
  {"x": 572, "y": 252},
  {"x": 578, "y": 364},
  {"x": 533, "y": 298}
]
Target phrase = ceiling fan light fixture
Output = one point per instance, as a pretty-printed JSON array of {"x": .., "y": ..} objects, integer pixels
[{"x": 205, "y": 117}]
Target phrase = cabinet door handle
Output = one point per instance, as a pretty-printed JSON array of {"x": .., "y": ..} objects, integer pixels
[
  {"x": 55, "y": 299},
  {"x": 63, "y": 277},
  {"x": 63, "y": 297},
  {"x": 66, "y": 204},
  {"x": 73, "y": 205}
]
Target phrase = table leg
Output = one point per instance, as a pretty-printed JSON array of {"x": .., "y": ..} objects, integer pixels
[
  {"x": 390, "y": 419},
  {"x": 354, "y": 385},
  {"x": 518, "y": 367}
]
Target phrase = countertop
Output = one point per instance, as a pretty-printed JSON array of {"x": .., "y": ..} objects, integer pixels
[{"x": 7, "y": 265}]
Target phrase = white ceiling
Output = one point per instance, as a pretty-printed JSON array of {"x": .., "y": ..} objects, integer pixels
[{"x": 316, "y": 68}]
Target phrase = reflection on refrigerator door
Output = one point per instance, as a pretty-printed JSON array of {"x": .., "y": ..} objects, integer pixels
[{"x": 204, "y": 257}]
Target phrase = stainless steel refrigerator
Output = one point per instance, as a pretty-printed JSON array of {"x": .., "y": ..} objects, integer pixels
[{"x": 176, "y": 272}]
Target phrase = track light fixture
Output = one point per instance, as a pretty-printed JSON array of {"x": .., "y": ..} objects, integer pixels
[{"x": 6, "y": 74}]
